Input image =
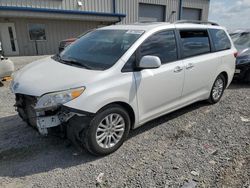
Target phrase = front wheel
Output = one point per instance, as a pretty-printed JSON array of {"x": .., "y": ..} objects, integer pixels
[
  {"x": 217, "y": 89},
  {"x": 107, "y": 130}
]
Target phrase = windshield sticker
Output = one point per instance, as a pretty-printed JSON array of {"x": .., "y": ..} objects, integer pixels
[{"x": 135, "y": 32}]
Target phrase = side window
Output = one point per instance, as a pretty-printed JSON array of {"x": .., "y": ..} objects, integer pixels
[
  {"x": 194, "y": 42},
  {"x": 220, "y": 39},
  {"x": 162, "y": 44}
]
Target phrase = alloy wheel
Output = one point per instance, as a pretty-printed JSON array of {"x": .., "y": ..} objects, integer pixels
[
  {"x": 218, "y": 89},
  {"x": 110, "y": 130}
]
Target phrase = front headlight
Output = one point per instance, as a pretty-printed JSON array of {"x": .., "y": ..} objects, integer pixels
[{"x": 55, "y": 99}]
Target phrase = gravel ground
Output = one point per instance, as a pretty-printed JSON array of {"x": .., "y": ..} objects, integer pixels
[{"x": 201, "y": 145}]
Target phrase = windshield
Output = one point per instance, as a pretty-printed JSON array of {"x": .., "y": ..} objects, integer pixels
[
  {"x": 100, "y": 49},
  {"x": 241, "y": 40}
]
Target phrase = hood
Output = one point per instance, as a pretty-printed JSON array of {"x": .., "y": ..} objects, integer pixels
[
  {"x": 47, "y": 75},
  {"x": 243, "y": 56},
  {"x": 244, "y": 51}
]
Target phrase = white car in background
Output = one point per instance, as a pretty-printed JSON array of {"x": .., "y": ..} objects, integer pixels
[
  {"x": 119, "y": 77},
  {"x": 6, "y": 67}
]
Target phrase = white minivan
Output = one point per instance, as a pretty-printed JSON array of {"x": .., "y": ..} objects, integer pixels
[{"x": 116, "y": 78}]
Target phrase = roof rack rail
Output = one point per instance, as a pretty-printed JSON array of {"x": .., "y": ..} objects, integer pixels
[{"x": 196, "y": 22}]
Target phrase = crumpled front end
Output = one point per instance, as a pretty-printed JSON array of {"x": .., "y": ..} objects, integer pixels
[{"x": 44, "y": 120}]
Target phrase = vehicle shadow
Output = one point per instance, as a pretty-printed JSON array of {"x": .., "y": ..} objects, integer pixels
[
  {"x": 165, "y": 118},
  {"x": 24, "y": 152}
]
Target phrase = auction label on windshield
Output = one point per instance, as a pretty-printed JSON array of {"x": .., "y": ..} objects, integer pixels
[{"x": 136, "y": 32}]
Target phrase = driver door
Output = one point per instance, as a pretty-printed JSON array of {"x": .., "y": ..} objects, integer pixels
[{"x": 159, "y": 90}]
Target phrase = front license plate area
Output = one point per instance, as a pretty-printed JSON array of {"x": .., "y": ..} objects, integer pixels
[{"x": 47, "y": 122}]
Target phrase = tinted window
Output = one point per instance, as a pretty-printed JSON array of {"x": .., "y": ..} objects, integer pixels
[
  {"x": 220, "y": 39},
  {"x": 194, "y": 42},
  {"x": 162, "y": 45}
]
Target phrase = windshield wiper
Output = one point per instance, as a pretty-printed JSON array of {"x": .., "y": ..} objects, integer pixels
[
  {"x": 75, "y": 62},
  {"x": 56, "y": 57}
]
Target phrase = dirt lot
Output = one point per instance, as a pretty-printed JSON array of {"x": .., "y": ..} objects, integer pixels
[{"x": 201, "y": 145}]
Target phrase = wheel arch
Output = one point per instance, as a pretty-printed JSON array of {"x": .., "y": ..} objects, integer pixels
[
  {"x": 224, "y": 73},
  {"x": 127, "y": 107}
]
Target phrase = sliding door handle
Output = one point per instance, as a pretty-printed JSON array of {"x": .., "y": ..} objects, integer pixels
[
  {"x": 189, "y": 66},
  {"x": 178, "y": 69}
]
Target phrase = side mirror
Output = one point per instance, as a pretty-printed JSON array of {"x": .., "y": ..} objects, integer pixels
[{"x": 149, "y": 62}]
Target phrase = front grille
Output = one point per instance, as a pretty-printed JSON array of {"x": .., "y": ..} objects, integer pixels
[{"x": 25, "y": 107}]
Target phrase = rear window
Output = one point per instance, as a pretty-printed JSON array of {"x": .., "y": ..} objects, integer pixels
[
  {"x": 194, "y": 42},
  {"x": 220, "y": 39}
]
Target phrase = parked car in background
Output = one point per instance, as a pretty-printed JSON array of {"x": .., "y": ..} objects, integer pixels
[
  {"x": 241, "y": 41},
  {"x": 119, "y": 77},
  {"x": 64, "y": 43},
  {"x": 6, "y": 67}
]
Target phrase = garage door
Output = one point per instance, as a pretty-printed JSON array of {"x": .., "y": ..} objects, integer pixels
[
  {"x": 149, "y": 12},
  {"x": 191, "y": 14}
]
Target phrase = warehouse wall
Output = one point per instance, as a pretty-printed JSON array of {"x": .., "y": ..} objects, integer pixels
[
  {"x": 129, "y": 7},
  {"x": 200, "y": 4},
  {"x": 56, "y": 30},
  {"x": 88, "y": 5}
]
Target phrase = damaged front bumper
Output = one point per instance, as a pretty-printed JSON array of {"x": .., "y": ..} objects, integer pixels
[{"x": 44, "y": 120}]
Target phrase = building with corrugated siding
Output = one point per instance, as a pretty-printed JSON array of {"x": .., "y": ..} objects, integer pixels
[{"x": 30, "y": 27}]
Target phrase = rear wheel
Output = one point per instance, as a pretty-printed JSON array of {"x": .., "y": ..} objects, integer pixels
[
  {"x": 217, "y": 89},
  {"x": 107, "y": 130}
]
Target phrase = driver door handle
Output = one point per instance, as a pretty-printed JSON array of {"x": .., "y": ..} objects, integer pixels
[
  {"x": 189, "y": 66},
  {"x": 178, "y": 69}
]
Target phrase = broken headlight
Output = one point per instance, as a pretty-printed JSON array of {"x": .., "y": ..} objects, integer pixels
[{"x": 53, "y": 100}]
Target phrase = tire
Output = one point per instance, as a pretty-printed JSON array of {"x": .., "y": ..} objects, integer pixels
[
  {"x": 217, "y": 89},
  {"x": 113, "y": 137}
]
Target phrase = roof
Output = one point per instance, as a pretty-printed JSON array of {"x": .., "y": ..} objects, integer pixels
[
  {"x": 152, "y": 25},
  {"x": 139, "y": 26}
]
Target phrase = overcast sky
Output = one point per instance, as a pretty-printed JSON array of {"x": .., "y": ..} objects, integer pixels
[{"x": 233, "y": 14}]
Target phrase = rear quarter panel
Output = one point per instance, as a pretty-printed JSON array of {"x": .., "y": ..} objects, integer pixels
[
  {"x": 228, "y": 64},
  {"x": 228, "y": 60}
]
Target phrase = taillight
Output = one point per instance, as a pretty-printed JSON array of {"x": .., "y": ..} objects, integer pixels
[{"x": 235, "y": 54}]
